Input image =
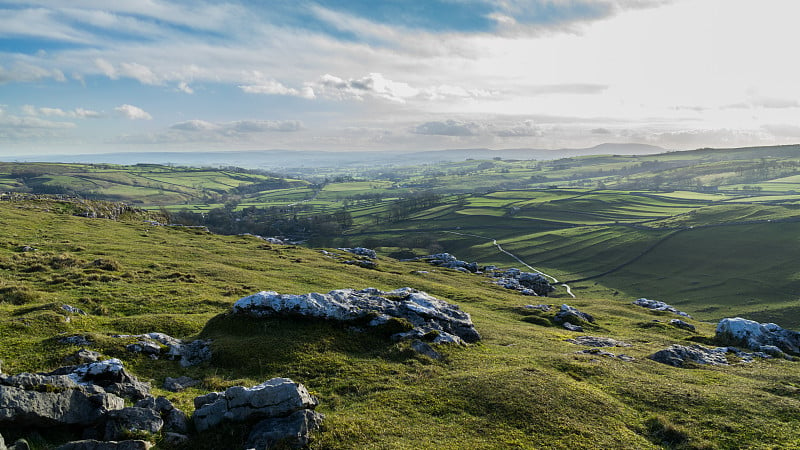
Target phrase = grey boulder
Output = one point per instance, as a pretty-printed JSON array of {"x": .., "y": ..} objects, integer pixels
[
  {"x": 573, "y": 315},
  {"x": 278, "y": 397},
  {"x": 757, "y": 336},
  {"x": 293, "y": 431}
]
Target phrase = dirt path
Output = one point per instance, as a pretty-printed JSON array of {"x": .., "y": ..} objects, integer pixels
[{"x": 516, "y": 258}]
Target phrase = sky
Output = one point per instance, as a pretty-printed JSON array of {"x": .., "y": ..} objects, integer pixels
[{"x": 88, "y": 76}]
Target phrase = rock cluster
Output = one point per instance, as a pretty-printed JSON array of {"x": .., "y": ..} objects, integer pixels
[
  {"x": 89, "y": 399},
  {"x": 424, "y": 312},
  {"x": 449, "y": 261},
  {"x": 659, "y": 306},
  {"x": 361, "y": 251},
  {"x": 765, "y": 337},
  {"x": 285, "y": 410},
  {"x": 527, "y": 283},
  {"x": 158, "y": 345},
  {"x": 681, "y": 355}
]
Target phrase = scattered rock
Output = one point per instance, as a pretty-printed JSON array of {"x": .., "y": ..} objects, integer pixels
[
  {"x": 27, "y": 248},
  {"x": 543, "y": 308},
  {"x": 425, "y": 312},
  {"x": 361, "y": 251},
  {"x": 84, "y": 356},
  {"x": 678, "y": 323},
  {"x": 278, "y": 397},
  {"x": 362, "y": 264},
  {"x": 570, "y": 314},
  {"x": 659, "y": 306},
  {"x": 527, "y": 283},
  {"x": 449, "y": 261},
  {"x": 179, "y": 384},
  {"x": 73, "y": 310},
  {"x": 596, "y": 341},
  {"x": 159, "y": 345},
  {"x": 571, "y": 327},
  {"x": 77, "y": 339},
  {"x": 174, "y": 419},
  {"x": 599, "y": 352},
  {"x": 680, "y": 355},
  {"x": 293, "y": 431},
  {"x": 423, "y": 348},
  {"x": 756, "y": 336},
  {"x": 131, "y": 420},
  {"x": 105, "y": 445}
]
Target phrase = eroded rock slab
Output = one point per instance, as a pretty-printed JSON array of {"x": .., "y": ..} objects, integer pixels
[
  {"x": 425, "y": 312},
  {"x": 278, "y": 397}
]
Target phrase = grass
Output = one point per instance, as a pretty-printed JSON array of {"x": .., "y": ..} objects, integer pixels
[{"x": 523, "y": 386}]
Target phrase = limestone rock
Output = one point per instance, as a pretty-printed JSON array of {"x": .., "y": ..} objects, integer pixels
[
  {"x": 425, "y": 312},
  {"x": 293, "y": 431},
  {"x": 680, "y": 355},
  {"x": 163, "y": 345},
  {"x": 179, "y": 384},
  {"x": 2, "y": 443},
  {"x": 599, "y": 352},
  {"x": 44, "y": 400},
  {"x": 571, "y": 327},
  {"x": 658, "y": 306},
  {"x": 278, "y": 397},
  {"x": 105, "y": 445},
  {"x": 527, "y": 283},
  {"x": 573, "y": 315},
  {"x": 683, "y": 325},
  {"x": 361, "y": 251},
  {"x": 757, "y": 336},
  {"x": 133, "y": 419},
  {"x": 423, "y": 348},
  {"x": 174, "y": 419},
  {"x": 596, "y": 341}
]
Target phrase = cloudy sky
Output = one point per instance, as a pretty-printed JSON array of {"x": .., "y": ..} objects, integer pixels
[{"x": 154, "y": 75}]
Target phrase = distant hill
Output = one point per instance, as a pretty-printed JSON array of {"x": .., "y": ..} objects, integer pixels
[{"x": 291, "y": 159}]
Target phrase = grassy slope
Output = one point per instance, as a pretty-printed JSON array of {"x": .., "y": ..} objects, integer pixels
[
  {"x": 713, "y": 258},
  {"x": 523, "y": 386}
]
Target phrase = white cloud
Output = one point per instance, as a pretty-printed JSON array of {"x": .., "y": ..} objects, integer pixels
[
  {"x": 273, "y": 87},
  {"x": 138, "y": 72},
  {"x": 448, "y": 128},
  {"x": 77, "y": 113},
  {"x": 23, "y": 72},
  {"x": 524, "y": 129},
  {"x": 195, "y": 125},
  {"x": 185, "y": 88},
  {"x": 132, "y": 112}
]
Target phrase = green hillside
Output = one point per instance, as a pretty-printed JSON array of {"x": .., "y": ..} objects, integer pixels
[{"x": 522, "y": 386}]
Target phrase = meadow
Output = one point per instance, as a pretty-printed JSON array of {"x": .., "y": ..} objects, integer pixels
[{"x": 522, "y": 386}]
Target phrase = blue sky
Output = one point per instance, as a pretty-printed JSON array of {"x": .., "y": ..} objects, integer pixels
[{"x": 153, "y": 75}]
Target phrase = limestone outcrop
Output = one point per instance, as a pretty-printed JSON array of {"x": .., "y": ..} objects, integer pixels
[
  {"x": 425, "y": 313},
  {"x": 765, "y": 337}
]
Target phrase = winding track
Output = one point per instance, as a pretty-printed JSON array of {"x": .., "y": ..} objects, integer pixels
[{"x": 501, "y": 249}]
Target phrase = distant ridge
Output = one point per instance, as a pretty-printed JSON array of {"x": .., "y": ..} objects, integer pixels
[{"x": 290, "y": 159}]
